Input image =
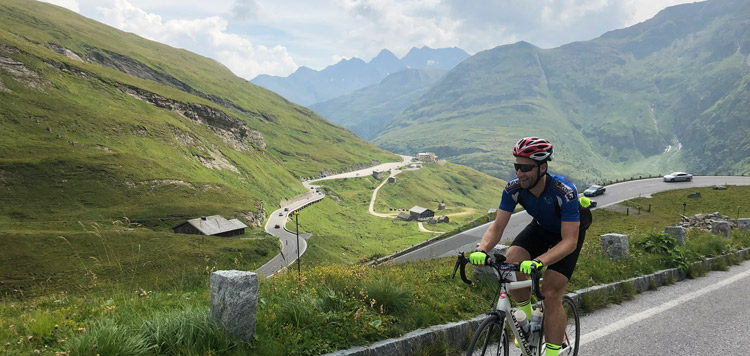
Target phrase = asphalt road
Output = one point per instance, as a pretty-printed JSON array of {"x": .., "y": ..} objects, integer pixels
[
  {"x": 467, "y": 240},
  {"x": 707, "y": 316}
]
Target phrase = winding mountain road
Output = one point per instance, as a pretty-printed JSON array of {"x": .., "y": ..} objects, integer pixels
[
  {"x": 467, "y": 240},
  {"x": 616, "y": 193},
  {"x": 291, "y": 246}
]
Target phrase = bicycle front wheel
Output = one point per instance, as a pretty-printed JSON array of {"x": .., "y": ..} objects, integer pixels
[
  {"x": 490, "y": 338},
  {"x": 572, "y": 328}
]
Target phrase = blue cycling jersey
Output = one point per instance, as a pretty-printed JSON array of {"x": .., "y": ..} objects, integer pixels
[{"x": 558, "y": 202}]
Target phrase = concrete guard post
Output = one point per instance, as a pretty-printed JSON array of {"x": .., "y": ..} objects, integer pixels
[{"x": 234, "y": 302}]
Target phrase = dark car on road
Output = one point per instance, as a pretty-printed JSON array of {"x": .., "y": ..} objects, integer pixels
[
  {"x": 678, "y": 177},
  {"x": 594, "y": 190},
  {"x": 276, "y": 226}
]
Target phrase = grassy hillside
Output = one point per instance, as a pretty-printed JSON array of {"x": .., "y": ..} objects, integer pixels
[
  {"x": 668, "y": 94},
  {"x": 337, "y": 307},
  {"x": 101, "y": 124},
  {"x": 344, "y": 232}
]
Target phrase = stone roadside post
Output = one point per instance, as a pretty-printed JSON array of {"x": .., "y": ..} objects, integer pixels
[
  {"x": 615, "y": 245},
  {"x": 678, "y": 233},
  {"x": 234, "y": 302}
]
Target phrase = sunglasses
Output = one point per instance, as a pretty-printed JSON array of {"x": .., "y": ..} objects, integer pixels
[{"x": 524, "y": 167}]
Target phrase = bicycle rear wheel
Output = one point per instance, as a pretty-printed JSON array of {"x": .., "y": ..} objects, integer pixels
[
  {"x": 572, "y": 328},
  {"x": 490, "y": 339}
]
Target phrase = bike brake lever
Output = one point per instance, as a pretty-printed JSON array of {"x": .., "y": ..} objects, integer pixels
[
  {"x": 461, "y": 264},
  {"x": 535, "y": 277}
]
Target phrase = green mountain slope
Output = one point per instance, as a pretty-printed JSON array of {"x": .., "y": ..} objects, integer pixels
[
  {"x": 669, "y": 93},
  {"x": 366, "y": 111},
  {"x": 98, "y": 123}
]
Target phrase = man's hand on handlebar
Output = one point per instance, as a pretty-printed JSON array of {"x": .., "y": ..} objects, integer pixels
[
  {"x": 478, "y": 257},
  {"x": 526, "y": 266}
]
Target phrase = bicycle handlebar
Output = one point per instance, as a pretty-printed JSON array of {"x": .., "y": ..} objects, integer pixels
[{"x": 499, "y": 266}]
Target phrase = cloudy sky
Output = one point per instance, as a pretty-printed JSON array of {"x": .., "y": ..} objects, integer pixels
[{"x": 275, "y": 37}]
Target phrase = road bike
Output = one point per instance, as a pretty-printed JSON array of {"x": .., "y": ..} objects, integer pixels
[{"x": 491, "y": 337}]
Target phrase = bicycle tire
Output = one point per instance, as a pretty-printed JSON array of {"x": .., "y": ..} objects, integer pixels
[
  {"x": 572, "y": 329},
  {"x": 491, "y": 337}
]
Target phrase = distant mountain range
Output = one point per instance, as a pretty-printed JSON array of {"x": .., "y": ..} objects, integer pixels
[
  {"x": 366, "y": 111},
  {"x": 670, "y": 93},
  {"x": 307, "y": 86}
]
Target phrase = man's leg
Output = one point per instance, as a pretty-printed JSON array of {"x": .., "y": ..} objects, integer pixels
[
  {"x": 517, "y": 254},
  {"x": 553, "y": 288}
]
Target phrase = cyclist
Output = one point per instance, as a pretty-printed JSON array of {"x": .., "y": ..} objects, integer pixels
[{"x": 552, "y": 239}]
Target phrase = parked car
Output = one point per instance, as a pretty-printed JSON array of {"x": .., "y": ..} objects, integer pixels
[
  {"x": 678, "y": 177},
  {"x": 281, "y": 214},
  {"x": 593, "y": 204},
  {"x": 286, "y": 209},
  {"x": 594, "y": 190},
  {"x": 276, "y": 226}
]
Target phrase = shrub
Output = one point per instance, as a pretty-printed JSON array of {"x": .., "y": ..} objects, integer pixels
[{"x": 661, "y": 244}]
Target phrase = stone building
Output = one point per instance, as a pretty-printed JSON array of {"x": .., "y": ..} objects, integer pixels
[{"x": 214, "y": 225}]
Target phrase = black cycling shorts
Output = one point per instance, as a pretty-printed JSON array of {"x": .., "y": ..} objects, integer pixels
[{"x": 536, "y": 240}]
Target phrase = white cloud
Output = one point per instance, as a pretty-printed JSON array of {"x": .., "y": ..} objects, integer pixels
[
  {"x": 271, "y": 36},
  {"x": 68, "y": 4},
  {"x": 243, "y": 10},
  {"x": 207, "y": 36}
]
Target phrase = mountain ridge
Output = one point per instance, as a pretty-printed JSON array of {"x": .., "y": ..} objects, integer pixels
[
  {"x": 635, "y": 101},
  {"x": 337, "y": 80}
]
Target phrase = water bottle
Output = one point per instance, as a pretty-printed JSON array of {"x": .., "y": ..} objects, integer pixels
[
  {"x": 536, "y": 326},
  {"x": 522, "y": 321}
]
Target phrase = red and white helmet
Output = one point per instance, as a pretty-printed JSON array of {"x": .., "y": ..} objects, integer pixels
[{"x": 535, "y": 148}]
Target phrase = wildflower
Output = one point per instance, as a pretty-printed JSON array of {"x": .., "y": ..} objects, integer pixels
[
  {"x": 7, "y": 345},
  {"x": 60, "y": 341},
  {"x": 30, "y": 338},
  {"x": 81, "y": 330}
]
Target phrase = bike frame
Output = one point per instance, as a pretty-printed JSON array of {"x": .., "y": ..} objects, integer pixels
[{"x": 503, "y": 304}]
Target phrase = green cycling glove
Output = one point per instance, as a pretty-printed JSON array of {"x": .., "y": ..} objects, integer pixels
[
  {"x": 526, "y": 265},
  {"x": 478, "y": 257}
]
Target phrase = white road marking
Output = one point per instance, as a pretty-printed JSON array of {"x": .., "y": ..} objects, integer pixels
[{"x": 594, "y": 335}]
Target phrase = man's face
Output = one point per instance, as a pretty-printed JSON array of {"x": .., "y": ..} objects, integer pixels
[{"x": 529, "y": 178}]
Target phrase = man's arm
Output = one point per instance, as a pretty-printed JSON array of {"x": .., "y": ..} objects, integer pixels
[
  {"x": 493, "y": 234},
  {"x": 569, "y": 232}
]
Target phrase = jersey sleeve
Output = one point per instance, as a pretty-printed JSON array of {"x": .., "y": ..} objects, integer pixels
[
  {"x": 507, "y": 202},
  {"x": 568, "y": 200},
  {"x": 569, "y": 211}
]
